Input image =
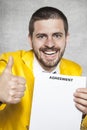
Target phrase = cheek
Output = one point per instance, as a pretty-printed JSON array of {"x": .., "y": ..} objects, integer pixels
[
  {"x": 61, "y": 45},
  {"x": 37, "y": 44}
]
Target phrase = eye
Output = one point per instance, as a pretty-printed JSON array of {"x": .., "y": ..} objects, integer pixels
[
  {"x": 57, "y": 35},
  {"x": 41, "y": 36}
]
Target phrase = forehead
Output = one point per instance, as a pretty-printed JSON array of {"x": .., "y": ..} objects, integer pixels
[{"x": 49, "y": 25}]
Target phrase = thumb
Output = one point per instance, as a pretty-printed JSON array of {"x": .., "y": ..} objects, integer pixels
[{"x": 9, "y": 64}]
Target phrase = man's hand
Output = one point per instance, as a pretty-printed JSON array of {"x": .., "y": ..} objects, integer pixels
[
  {"x": 11, "y": 87},
  {"x": 80, "y": 98}
]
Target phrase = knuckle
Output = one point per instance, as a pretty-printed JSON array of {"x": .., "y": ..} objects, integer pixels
[
  {"x": 22, "y": 80},
  {"x": 11, "y": 93}
]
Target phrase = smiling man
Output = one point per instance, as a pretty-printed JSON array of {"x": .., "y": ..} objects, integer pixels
[
  {"x": 48, "y": 34},
  {"x": 48, "y": 42}
]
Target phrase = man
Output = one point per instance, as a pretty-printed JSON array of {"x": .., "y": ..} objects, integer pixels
[{"x": 48, "y": 35}]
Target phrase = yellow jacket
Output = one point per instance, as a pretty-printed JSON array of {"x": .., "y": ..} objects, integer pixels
[{"x": 17, "y": 116}]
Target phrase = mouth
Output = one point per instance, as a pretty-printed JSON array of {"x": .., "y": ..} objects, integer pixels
[{"x": 50, "y": 52}]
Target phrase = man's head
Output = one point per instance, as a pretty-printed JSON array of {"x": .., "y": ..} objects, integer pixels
[
  {"x": 48, "y": 31},
  {"x": 45, "y": 13}
]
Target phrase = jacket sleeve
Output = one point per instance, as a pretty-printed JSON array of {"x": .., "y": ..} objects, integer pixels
[{"x": 3, "y": 63}]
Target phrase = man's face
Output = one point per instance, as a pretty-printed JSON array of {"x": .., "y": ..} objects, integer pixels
[{"x": 48, "y": 42}]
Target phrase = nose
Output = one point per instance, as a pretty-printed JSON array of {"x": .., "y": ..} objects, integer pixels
[{"x": 49, "y": 42}]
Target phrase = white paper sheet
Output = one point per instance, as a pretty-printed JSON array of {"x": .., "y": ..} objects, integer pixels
[{"x": 53, "y": 106}]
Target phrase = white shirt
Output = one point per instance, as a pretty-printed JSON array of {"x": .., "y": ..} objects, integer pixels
[{"x": 37, "y": 69}]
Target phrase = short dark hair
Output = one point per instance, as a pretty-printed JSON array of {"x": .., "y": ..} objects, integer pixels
[{"x": 47, "y": 13}]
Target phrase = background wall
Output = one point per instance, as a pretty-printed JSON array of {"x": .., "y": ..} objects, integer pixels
[{"x": 14, "y": 19}]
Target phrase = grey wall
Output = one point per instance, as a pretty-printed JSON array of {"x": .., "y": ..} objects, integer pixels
[{"x": 14, "y": 18}]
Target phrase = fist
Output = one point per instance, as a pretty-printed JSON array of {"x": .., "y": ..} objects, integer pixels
[{"x": 11, "y": 87}]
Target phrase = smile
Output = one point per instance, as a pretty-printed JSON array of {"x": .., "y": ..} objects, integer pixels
[{"x": 50, "y": 52}]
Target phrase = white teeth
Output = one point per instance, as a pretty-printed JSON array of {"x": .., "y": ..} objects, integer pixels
[{"x": 50, "y": 52}]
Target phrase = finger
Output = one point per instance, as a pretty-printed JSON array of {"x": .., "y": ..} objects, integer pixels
[
  {"x": 83, "y": 90},
  {"x": 80, "y": 95},
  {"x": 19, "y": 95},
  {"x": 16, "y": 86},
  {"x": 81, "y": 101},
  {"x": 14, "y": 101},
  {"x": 21, "y": 88},
  {"x": 9, "y": 65},
  {"x": 14, "y": 94},
  {"x": 21, "y": 80},
  {"x": 18, "y": 80},
  {"x": 81, "y": 108}
]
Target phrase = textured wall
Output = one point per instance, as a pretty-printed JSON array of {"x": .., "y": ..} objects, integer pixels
[{"x": 14, "y": 18}]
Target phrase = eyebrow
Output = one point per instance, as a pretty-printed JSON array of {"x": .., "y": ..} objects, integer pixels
[
  {"x": 60, "y": 33},
  {"x": 38, "y": 34}
]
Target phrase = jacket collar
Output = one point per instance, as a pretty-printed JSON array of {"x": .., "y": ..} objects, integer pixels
[{"x": 28, "y": 58}]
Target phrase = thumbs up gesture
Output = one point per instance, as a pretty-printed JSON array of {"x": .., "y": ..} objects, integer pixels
[{"x": 11, "y": 87}]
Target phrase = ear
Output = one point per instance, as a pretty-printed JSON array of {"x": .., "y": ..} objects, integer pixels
[
  {"x": 30, "y": 40},
  {"x": 67, "y": 37}
]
